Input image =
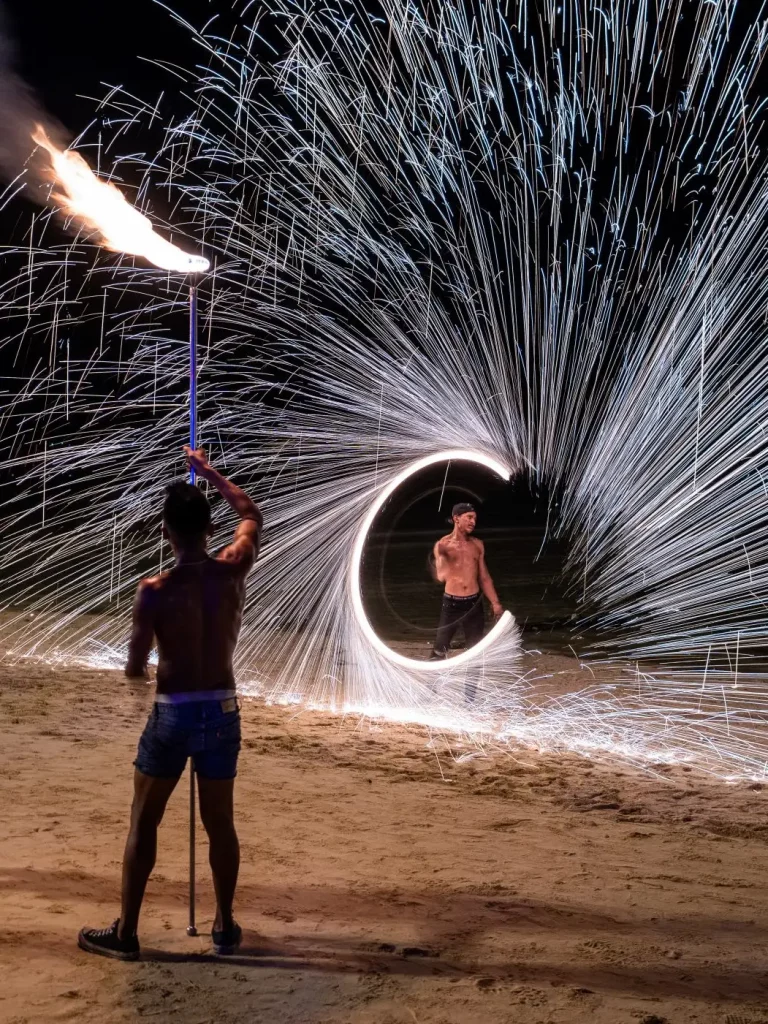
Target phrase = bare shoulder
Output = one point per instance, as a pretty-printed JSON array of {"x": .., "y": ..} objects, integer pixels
[
  {"x": 478, "y": 545},
  {"x": 440, "y": 544},
  {"x": 147, "y": 591},
  {"x": 151, "y": 584}
]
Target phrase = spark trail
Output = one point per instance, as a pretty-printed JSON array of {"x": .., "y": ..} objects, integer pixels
[{"x": 535, "y": 232}]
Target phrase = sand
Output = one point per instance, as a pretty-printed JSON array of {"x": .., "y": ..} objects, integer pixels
[{"x": 384, "y": 881}]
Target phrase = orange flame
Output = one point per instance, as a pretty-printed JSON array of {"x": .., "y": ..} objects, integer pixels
[{"x": 100, "y": 206}]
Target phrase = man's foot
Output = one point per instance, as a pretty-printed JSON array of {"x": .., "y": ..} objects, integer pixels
[
  {"x": 106, "y": 942},
  {"x": 227, "y": 940},
  {"x": 438, "y": 656}
]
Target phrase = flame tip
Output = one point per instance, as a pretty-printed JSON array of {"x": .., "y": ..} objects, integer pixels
[{"x": 100, "y": 206}]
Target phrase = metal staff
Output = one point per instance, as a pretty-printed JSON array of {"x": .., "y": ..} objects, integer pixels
[{"x": 191, "y": 928}]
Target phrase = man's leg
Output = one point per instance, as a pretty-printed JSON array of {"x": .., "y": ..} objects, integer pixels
[
  {"x": 474, "y": 623},
  {"x": 474, "y": 627},
  {"x": 446, "y": 630},
  {"x": 150, "y": 796},
  {"x": 217, "y": 813}
]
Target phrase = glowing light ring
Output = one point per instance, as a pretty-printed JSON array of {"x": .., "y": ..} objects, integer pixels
[{"x": 357, "y": 556}]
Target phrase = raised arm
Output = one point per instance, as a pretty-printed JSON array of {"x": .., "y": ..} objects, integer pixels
[
  {"x": 245, "y": 543},
  {"x": 142, "y": 633},
  {"x": 486, "y": 584}
]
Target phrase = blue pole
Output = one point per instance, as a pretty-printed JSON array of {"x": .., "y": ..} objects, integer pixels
[
  {"x": 191, "y": 928},
  {"x": 192, "y": 373}
]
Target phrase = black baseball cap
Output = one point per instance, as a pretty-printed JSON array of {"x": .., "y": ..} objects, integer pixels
[{"x": 461, "y": 508}]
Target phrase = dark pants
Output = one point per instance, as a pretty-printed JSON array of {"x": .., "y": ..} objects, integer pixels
[
  {"x": 464, "y": 613},
  {"x": 467, "y": 614}
]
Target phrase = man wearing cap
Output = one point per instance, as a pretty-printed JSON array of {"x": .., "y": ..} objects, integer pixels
[{"x": 460, "y": 565}]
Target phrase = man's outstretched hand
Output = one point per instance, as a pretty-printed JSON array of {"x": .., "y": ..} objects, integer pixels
[{"x": 197, "y": 460}]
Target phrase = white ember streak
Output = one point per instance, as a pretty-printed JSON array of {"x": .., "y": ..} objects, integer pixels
[
  {"x": 101, "y": 206},
  {"x": 355, "y": 582}
]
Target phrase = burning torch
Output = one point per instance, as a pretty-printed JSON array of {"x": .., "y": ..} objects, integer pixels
[{"x": 100, "y": 207}]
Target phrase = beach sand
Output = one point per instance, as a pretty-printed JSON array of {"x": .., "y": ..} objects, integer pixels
[{"x": 385, "y": 879}]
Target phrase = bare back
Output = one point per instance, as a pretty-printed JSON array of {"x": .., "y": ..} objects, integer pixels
[
  {"x": 194, "y": 611},
  {"x": 457, "y": 564},
  {"x": 197, "y": 610}
]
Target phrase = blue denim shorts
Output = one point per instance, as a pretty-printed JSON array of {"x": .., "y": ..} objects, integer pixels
[{"x": 200, "y": 730}]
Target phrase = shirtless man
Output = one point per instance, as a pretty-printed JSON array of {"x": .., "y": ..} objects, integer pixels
[
  {"x": 193, "y": 612},
  {"x": 460, "y": 565}
]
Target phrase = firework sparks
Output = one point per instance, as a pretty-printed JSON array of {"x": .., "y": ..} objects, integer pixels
[{"x": 439, "y": 227}]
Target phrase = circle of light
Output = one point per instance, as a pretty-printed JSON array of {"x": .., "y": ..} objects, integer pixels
[{"x": 357, "y": 556}]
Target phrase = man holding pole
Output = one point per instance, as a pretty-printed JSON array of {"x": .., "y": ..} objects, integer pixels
[{"x": 193, "y": 613}]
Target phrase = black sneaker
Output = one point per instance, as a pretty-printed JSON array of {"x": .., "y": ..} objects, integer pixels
[
  {"x": 227, "y": 940},
  {"x": 106, "y": 943}
]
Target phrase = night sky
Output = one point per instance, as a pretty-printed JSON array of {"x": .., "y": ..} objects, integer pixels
[{"x": 81, "y": 46}]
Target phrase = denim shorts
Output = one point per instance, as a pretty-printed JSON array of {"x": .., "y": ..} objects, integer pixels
[{"x": 200, "y": 730}]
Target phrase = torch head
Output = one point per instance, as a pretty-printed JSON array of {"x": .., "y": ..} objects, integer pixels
[{"x": 197, "y": 265}]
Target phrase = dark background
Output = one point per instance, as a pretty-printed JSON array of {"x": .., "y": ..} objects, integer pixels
[
  {"x": 73, "y": 52},
  {"x": 71, "y": 57},
  {"x": 70, "y": 51}
]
